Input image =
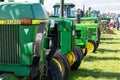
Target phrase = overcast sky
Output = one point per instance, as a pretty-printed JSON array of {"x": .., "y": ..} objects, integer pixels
[{"x": 103, "y": 5}]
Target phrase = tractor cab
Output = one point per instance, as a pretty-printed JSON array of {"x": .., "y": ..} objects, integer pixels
[
  {"x": 95, "y": 13},
  {"x": 69, "y": 10}
]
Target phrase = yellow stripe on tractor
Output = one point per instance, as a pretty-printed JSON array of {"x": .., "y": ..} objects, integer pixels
[
  {"x": 19, "y": 21},
  {"x": 38, "y": 21},
  {"x": 2, "y": 22},
  {"x": 87, "y": 22}
]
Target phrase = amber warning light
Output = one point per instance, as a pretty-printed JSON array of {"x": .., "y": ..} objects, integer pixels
[{"x": 25, "y": 21}]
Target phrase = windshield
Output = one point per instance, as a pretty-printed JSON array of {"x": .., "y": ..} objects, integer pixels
[
  {"x": 68, "y": 11},
  {"x": 95, "y": 13}
]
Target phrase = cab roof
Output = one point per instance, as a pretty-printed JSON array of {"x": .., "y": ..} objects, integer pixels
[
  {"x": 65, "y": 4},
  {"x": 22, "y": 10}
]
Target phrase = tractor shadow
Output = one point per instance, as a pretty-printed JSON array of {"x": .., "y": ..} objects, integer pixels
[
  {"x": 96, "y": 73},
  {"x": 106, "y": 38},
  {"x": 94, "y": 58},
  {"x": 111, "y": 42},
  {"x": 102, "y": 51},
  {"x": 109, "y": 38}
]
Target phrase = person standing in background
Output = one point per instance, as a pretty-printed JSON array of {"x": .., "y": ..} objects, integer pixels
[
  {"x": 118, "y": 23},
  {"x": 111, "y": 23}
]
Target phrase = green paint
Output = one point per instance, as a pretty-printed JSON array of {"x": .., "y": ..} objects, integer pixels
[
  {"x": 92, "y": 27},
  {"x": 17, "y": 44},
  {"x": 69, "y": 10},
  {"x": 81, "y": 29},
  {"x": 66, "y": 36}
]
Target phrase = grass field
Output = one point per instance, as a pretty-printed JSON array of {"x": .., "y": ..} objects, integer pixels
[{"x": 104, "y": 64}]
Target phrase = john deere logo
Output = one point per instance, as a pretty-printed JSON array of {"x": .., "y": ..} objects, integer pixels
[{"x": 26, "y": 31}]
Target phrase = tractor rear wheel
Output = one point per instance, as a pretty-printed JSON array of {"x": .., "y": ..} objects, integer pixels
[
  {"x": 91, "y": 46},
  {"x": 54, "y": 71},
  {"x": 63, "y": 64},
  {"x": 78, "y": 58}
]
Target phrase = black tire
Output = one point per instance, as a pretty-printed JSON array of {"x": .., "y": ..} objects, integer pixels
[
  {"x": 97, "y": 43},
  {"x": 79, "y": 56},
  {"x": 99, "y": 32},
  {"x": 62, "y": 59},
  {"x": 54, "y": 72},
  {"x": 93, "y": 44},
  {"x": 99, "y": 35}
]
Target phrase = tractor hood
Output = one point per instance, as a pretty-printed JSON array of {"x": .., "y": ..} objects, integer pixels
[
  {"x": 89, "y": 18},
  {"x": 14, "y": 11}
]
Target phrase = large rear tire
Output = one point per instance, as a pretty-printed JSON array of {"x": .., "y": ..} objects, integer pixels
[
  {"x": 78, "y": 58},
  {"x": 91, "y": 46},
  {"x": 63, "y": 64},
  {"x": 54, "y": 71},
  {"x": 99, "y": 35}
]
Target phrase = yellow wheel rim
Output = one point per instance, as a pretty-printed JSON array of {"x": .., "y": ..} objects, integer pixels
[
  {"x": 71, "y": 58},
  {"x": 58, "y": 63},
  {"x": 90, "y": 47}
]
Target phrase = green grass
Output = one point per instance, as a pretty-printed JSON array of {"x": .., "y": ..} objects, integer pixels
[{"x": 102, "y": 65}]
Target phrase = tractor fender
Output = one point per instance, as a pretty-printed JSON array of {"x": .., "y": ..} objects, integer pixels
[
  {"x": 38, "y": 43},
  {"x": 55, "y": 41}
]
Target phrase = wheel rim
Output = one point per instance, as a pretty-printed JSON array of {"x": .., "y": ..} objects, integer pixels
[
  {"x": 53, "y": 72},
  {"x": 71, "y": 58},
  {"x": 58, "y": 63},
  {"x": 90, "y": 47}
]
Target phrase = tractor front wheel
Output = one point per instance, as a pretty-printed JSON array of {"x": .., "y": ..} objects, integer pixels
[
  {"x": 78, "y": 58},
  {"x": 63, "y": 64},
  {"x": 91, "y": 46},
  {"x": 54, "y": 71}
]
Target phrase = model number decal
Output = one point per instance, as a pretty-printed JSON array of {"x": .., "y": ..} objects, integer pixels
[{"x": 12, "y": 22}]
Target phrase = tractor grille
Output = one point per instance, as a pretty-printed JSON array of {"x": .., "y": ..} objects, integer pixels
[{"x": 9, "y": 44}]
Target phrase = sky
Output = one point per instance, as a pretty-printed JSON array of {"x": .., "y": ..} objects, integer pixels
[{"x": 102, "y": 5}]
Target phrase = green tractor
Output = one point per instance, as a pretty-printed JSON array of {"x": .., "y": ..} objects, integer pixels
[
  {"x": 105, "y": 20},
  {"x": 91, "y": 18},
  {"x": 93, "y": 32},
  {"x": 67, "y": 41},
  {"x": 80, "y": 29},
  {"x": 91, "y": 25},
  {"x": 23, "y": 51}
]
